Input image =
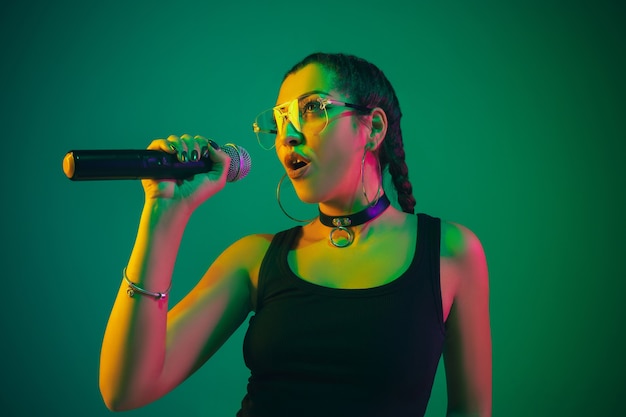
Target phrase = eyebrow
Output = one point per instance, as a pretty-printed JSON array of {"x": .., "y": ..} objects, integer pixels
[
  {"x": 308, "y": 93},
  {"x": 312, "y": 92}
]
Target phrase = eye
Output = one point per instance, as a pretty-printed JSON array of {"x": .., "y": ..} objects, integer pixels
[{"x": 311, "y": 105}]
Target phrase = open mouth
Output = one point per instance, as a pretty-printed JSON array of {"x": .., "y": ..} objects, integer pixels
[{"x": 296, "y": 162}]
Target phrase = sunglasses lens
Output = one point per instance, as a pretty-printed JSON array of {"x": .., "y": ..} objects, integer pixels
[
  {"x": 307, "y": 115},
  {"x": 266, "y": 129}
]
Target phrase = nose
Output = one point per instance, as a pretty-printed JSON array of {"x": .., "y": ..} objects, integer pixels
[{"x": 289, "y": 136}]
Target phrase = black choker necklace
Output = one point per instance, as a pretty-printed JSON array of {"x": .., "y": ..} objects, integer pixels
[{"x": 340, "y": 225}]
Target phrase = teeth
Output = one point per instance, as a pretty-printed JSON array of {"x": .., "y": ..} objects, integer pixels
[{"x": 297, "y": 162}]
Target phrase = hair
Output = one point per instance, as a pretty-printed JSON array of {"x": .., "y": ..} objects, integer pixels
[{"x": 368, "y": 86}]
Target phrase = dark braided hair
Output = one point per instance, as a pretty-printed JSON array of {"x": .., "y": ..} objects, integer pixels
[{"x": 366, "y": 85}]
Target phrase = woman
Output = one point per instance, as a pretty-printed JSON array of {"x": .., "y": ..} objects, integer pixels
[{"x": 351, "y": 311}]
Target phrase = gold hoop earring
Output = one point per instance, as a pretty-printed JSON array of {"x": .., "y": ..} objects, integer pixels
[
  {"x": 380, "y": 180},
  {"x": 278, "y": 187}
]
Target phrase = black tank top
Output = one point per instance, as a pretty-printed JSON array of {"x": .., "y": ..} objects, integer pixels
[{"x": 325, "y": 352}]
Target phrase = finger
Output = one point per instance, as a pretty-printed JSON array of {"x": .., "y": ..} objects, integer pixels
[
  {"x": 177, "y": 145},
  {"x": 199, "y": 149},
  {"x": 161, "y": 145},
  {"x": 188, "y": 146}
]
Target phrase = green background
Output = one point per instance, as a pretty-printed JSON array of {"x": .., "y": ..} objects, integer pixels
[{"x": 514, "y": 126}]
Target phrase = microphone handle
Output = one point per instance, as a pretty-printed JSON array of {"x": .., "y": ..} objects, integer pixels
[{"x": 128, "y": 164}]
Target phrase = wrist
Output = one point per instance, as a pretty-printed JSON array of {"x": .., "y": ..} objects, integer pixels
[{"x": 160, "y": 208}]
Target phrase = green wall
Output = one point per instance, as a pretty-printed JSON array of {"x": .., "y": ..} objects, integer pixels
[{"x": 514, "y": 125}]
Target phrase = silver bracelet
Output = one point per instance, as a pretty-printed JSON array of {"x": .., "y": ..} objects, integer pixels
[{"x": 132, "y": 289}]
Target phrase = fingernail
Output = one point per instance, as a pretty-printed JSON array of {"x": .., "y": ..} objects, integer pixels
[
  {"x": 172, "y": 147},
  {"x": 183, "y": 156},
  {"x": 194, "y": 155},
  {"x": 214, "y": 145},
  {"x": 204, "y": 151}
]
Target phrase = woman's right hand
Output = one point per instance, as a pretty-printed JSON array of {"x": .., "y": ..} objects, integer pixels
[{"x": 193, "y": 191}]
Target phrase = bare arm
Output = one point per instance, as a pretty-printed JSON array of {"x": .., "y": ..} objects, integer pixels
[
  {"x": 147, "y": 351},
  {"x": 467, "y": 352}
]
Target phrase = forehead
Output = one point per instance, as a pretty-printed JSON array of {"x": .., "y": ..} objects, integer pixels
[{"x": 310, "y": 78}]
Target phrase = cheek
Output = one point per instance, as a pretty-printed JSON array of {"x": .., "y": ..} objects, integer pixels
[
  {"x": 341, "y": 165},
  {"x": 343, "y": 142}
]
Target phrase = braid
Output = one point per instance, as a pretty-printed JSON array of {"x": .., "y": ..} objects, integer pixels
[
  {"x": 399, "y": 172},
  {"x": 368, "y": 86}
]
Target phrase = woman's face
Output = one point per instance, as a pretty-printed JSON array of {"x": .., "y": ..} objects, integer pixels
[{"x": 323, "y": 166}]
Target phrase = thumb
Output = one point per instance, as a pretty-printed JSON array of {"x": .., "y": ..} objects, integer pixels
[{"x": 220, "y": 163}]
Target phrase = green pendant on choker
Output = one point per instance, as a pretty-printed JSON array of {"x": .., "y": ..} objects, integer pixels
[{"x": 341, "y": 234}]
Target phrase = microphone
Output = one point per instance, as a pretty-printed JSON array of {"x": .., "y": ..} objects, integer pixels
[{"x": 129, "y": 164}]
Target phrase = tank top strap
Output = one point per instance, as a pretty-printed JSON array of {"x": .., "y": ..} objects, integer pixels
[
  {"x": 281, "y": 244},
  {"x": 429, "y": 232}
]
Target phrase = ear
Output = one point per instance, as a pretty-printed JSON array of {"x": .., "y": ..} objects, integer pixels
[{"x": 378, "y": 128}]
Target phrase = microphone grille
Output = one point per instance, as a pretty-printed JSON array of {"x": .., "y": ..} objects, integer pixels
[{"x": 240, "y": 162}]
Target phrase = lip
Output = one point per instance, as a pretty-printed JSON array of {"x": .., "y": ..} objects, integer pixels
[{"x": 296, "y": 173}]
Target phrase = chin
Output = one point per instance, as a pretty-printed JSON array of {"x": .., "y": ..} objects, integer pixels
[
  {"x": 308, "y": 197},
  {"x": 307, "y": 194}
]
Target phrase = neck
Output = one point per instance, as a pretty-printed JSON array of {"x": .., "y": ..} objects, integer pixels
[{"x": 345, "y": 207}]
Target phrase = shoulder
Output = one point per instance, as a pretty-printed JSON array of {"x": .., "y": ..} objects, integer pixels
[
  {"x": 249, "y": 248},
  {"x": 253, "y": 247},
  {"x": 464, "y": 258},
  {"x": 240, "y": 263},
  {"x": 463, "y": 250},
  {"x": 459, "y": 242}
]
